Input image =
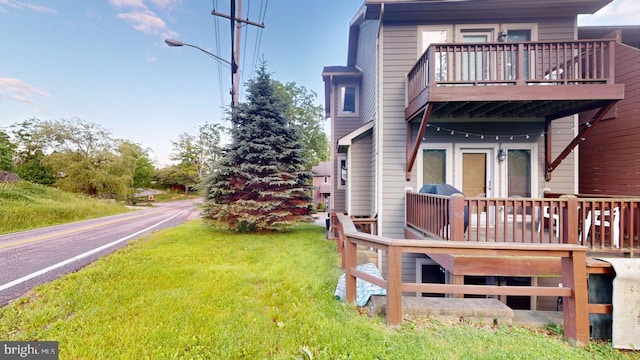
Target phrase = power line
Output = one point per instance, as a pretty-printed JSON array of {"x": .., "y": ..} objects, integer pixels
[
  {"x": 217, "y": 42},
  {"x": 236, "y": 34},
  {"x": 258, "y": 42}
]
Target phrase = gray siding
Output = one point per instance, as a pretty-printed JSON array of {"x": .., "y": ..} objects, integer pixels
[
  {"x": 361, "y": 181},
  {"x": 340, "y": 126},
  {"x": 564, "y": 177},
  {"x": 399, "y": 44},
  {"x": 551, "y": 29},
  {"x": 366, "y": 62}
]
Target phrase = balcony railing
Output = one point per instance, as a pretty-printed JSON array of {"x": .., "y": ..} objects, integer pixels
[
  {"x": 522, "y": 63},
  {"x": 601, "y": 224}
]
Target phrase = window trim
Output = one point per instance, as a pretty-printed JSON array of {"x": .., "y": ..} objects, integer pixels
[
  {"x": 423, "y": 28},
  {"x": 341, "y": 100},
  {"x": 448, "y": 153},
  {"x": 341, "y": 158},
  {"x": 533, "y": 147}
]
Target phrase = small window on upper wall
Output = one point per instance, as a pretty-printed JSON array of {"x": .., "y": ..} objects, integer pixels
[{"x": 348, "y": 100}]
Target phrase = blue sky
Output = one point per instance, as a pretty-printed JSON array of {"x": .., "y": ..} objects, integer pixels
[{"x": 105, "y": 61}]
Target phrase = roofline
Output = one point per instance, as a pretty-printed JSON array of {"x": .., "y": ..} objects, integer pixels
[{"x": 345, "y": 141}]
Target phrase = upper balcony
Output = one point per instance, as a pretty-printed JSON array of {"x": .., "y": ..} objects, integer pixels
[{"x": 521, "y": 79}]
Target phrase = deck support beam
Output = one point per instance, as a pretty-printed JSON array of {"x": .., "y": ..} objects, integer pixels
[
  {"x": 413, "y": 152},
  {"x": 582, "y": 135}
]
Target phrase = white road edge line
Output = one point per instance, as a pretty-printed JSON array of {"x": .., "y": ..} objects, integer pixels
[{"x": 81, "y": 256}]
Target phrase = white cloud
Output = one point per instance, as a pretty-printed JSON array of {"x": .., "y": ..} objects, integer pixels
[
  {"x": 18, "y": 90},
  {"x": 151, "y": 59},
  {"x": 165, "y": 4},
  {"x": 618, "y": 12},
  {"x": 128, "y": 3},
  {"x": 145, "y": 21},
  {"x": 142, "y": 18},
  {"x": 24, "y": 5},
  {"x": 169, "y": 35}
]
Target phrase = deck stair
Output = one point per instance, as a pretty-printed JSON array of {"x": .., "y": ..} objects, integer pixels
[
  {"x": 468, "y": 310},
  {"x": 459, "y": 310}
]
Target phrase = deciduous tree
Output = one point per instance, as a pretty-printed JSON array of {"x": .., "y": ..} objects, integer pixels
[
  {"x": 305, "y": 114},
  {"x": 7, "y": 149}
]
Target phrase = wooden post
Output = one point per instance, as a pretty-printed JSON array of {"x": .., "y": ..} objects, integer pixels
[
  {"x": 456, "y": 217},
  {"x": 457, "y": 280},
  {"x": 394, "y": 287},
  {"x": 340, "y": 242},
  {"x": 520, "y": 71},
  {"x": 575, "y": 308},
  {"x": 350, "y": 260},
  {"x": 570, "y": 220}
]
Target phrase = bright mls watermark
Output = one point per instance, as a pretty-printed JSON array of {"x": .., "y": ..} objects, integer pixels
[{"x": 40, "y": 350}]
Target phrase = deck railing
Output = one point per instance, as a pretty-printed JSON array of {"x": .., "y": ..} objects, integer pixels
[
  {"x": 601, "y": 224},
  {"x": 574, "y": 292},
  {"x": 520, "y": 63}
]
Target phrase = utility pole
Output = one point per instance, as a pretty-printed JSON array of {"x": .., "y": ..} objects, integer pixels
[{"x": 236, "y": 28}]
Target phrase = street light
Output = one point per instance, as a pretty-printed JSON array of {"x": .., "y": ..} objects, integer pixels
[
  {"x": 234, "y": 68},
  {"x": 175, "y": 43}
]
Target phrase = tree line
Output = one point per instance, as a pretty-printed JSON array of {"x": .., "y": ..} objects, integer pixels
[{"x": 78, "y": 156}]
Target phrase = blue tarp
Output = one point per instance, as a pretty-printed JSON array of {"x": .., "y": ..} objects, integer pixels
[{"x": 364, "y": 289}]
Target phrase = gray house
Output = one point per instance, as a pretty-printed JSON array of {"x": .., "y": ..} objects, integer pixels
[{"x": 483, "y": 95}]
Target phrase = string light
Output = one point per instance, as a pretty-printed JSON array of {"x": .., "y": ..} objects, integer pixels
[{"x": 481, "y": 136}]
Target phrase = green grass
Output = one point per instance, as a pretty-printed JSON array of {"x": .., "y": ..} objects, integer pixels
[
  {"x": 176, "y": 196},
  {"x": 28, "y": 206},
  {"x": 193, "y": 293}
]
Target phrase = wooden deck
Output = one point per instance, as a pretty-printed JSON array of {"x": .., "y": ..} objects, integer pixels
[
  {"x": 572, "y": 76},
  {"x": 572, "y": 259},
  {"x": 603, "y": 225}
]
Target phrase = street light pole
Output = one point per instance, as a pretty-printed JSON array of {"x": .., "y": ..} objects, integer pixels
[{"x": 175, "y": 43}]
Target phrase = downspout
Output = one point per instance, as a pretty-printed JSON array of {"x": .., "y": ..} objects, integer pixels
[
  {"x": 334, "y": 180},
  {"x": 378, "y": 126}
]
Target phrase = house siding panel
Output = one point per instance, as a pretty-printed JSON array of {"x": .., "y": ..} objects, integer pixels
[
  {"x": 563, "y": 178},
  {"x": 361, "y": 180},
  {"x": 340, "y": 126},
  {"x": 609, "y": 159},
  {"x": 551, "y": 29},
  {"x": 366, "y": 62},
  {"x": 401, "y": 41}
]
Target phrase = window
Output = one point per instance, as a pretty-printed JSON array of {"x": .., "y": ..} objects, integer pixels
[
  {"x": 348, "y": 100},
  {"x": 434, "y": 167},
  {"x": 342, "y": 180},
  {"x": 434, "y": 164},
  {"x": 519, "y": 172}
]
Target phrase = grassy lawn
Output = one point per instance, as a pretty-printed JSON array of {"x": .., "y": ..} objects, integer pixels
[
  {"x": 28, "y": 206},
  {"x": 194, "y": 293}
]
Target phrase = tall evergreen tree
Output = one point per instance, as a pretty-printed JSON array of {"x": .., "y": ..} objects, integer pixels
[{"x": 260, "y": 184}]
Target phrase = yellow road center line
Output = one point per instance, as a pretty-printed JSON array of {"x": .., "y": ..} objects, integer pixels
[{"x": 67, "y": 232}]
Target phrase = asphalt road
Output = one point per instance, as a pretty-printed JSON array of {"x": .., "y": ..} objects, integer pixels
[{"x": 33, "y": 257}]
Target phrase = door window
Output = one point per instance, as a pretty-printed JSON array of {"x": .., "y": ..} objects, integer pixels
[
  {"x": 434, "y": 167},
  {"x": 475, "y": 61},
  {"x": 435, "y": 35},
  {"x": 474, "y": 174},
  {"x": 519, "y": 172}
]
